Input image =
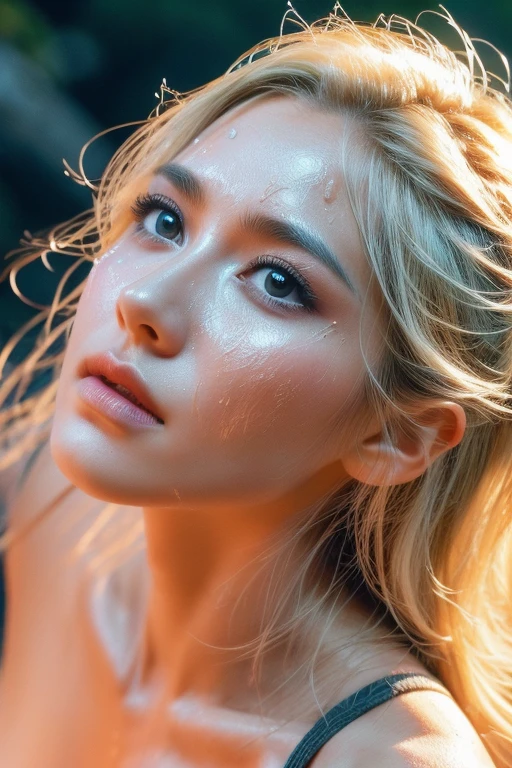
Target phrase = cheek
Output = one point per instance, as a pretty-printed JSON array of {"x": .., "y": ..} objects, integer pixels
[
  {"x": 284, "y": 398},
  {"x": 96, "y": 307},
  {"x": 102, "y": 286},
  {"x": 93, "y": 316}
]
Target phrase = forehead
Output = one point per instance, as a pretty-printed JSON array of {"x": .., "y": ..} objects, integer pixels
[
  {"x": 282, "y": 156},
  {"x": 270, "y": 131}
]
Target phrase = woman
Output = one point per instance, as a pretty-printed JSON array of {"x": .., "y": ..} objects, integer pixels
[{"x": 273, "y": 471}]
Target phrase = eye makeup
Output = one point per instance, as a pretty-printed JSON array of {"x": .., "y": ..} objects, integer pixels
[{"x": 148, "y": 204}]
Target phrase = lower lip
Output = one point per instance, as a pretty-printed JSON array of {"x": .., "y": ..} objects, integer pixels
[{"x": 111, "y": 403}]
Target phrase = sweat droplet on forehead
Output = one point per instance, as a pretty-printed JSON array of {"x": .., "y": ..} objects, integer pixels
[
  {"x": 329, "y": 192},
  {"x": 232, "y": 133}
]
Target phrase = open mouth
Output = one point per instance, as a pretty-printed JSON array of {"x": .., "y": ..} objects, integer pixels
[{"x": 127, "y": 394}]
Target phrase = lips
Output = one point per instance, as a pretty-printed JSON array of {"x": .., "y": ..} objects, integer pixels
[
  {"x": 125, "y": 393},
  {"x": 124, "y": 378}
]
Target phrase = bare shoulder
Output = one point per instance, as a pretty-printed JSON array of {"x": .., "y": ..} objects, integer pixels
[
  {"x": 42, "y": 518},
  {"x": 13, "y": 477},
  {"x": 38, "y": 483},
  {"x": 48, "y": 517},
  {"x": 60, "y": 536},
  {"x": 419, "y": 729}
]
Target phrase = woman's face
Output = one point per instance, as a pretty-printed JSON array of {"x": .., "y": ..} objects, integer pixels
[{"x": 249, "y": 371}]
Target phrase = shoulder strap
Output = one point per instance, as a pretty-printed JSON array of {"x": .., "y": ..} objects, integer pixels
[{"x": 353, "y": 707}]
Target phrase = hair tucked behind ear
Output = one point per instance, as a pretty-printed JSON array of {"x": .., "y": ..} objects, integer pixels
[{"x": 430, "y": 183}]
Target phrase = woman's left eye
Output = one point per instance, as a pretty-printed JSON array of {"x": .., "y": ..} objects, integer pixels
[
  {"x": 159, "y": 218},
  {"x": 276, "y": 282}
]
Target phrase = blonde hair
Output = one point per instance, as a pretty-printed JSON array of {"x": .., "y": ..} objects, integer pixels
[{"x": 435, "y": 220}]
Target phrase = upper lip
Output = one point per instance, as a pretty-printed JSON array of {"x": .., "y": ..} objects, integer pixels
[{"x": 121, "y": 373}]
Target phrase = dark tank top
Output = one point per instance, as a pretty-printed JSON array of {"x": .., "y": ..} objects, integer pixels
[{"x": 353, "y": 707}]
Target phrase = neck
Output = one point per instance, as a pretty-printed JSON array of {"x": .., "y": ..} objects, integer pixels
[
  {"x": 217, "y": 576},
  {"x": 211, "y": 579}
]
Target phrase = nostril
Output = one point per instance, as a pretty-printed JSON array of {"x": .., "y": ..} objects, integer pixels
[{"x": 151, "y": 331}]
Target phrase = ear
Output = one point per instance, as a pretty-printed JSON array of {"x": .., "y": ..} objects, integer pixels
[{"x": 379, "y": 459}]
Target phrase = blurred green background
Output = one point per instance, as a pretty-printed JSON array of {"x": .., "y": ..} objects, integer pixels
[{"x": 71, "y": 69}]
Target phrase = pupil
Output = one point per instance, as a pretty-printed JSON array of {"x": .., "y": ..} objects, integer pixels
[
  {"x": 277, "y": 283},
  {"x": 167, "y": 224}
]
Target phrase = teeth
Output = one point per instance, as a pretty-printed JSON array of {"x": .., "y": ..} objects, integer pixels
[{"x": 125, "y": 392}]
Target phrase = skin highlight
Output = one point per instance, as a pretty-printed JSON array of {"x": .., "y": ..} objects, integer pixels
[
  {"x": 299, "y": 524},
  {"x": 248, "y": 395}
]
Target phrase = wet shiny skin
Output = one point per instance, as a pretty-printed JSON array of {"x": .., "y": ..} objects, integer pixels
[
  {"x": 249, "y": 397},
  {"x": 231, "y": 376}
]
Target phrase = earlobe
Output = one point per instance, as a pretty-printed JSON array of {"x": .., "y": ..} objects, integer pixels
[{"x": 392, "y": 457}]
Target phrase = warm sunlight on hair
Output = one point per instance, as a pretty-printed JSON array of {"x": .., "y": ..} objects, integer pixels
[{"x": 426, "y": 156}]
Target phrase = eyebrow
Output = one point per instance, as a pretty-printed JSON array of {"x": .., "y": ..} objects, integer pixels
[
  {"x": 261, "y": 224},
  {"x": 184, "y": 180}
]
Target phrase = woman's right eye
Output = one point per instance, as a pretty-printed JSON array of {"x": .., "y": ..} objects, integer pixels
[{"x": 159, "y": 218}]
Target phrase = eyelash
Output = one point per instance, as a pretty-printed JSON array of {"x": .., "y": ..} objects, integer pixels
[{"x": 146, "y": 204}]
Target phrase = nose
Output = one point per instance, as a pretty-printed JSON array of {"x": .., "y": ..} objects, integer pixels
[{"x": 154, "y": 310}]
